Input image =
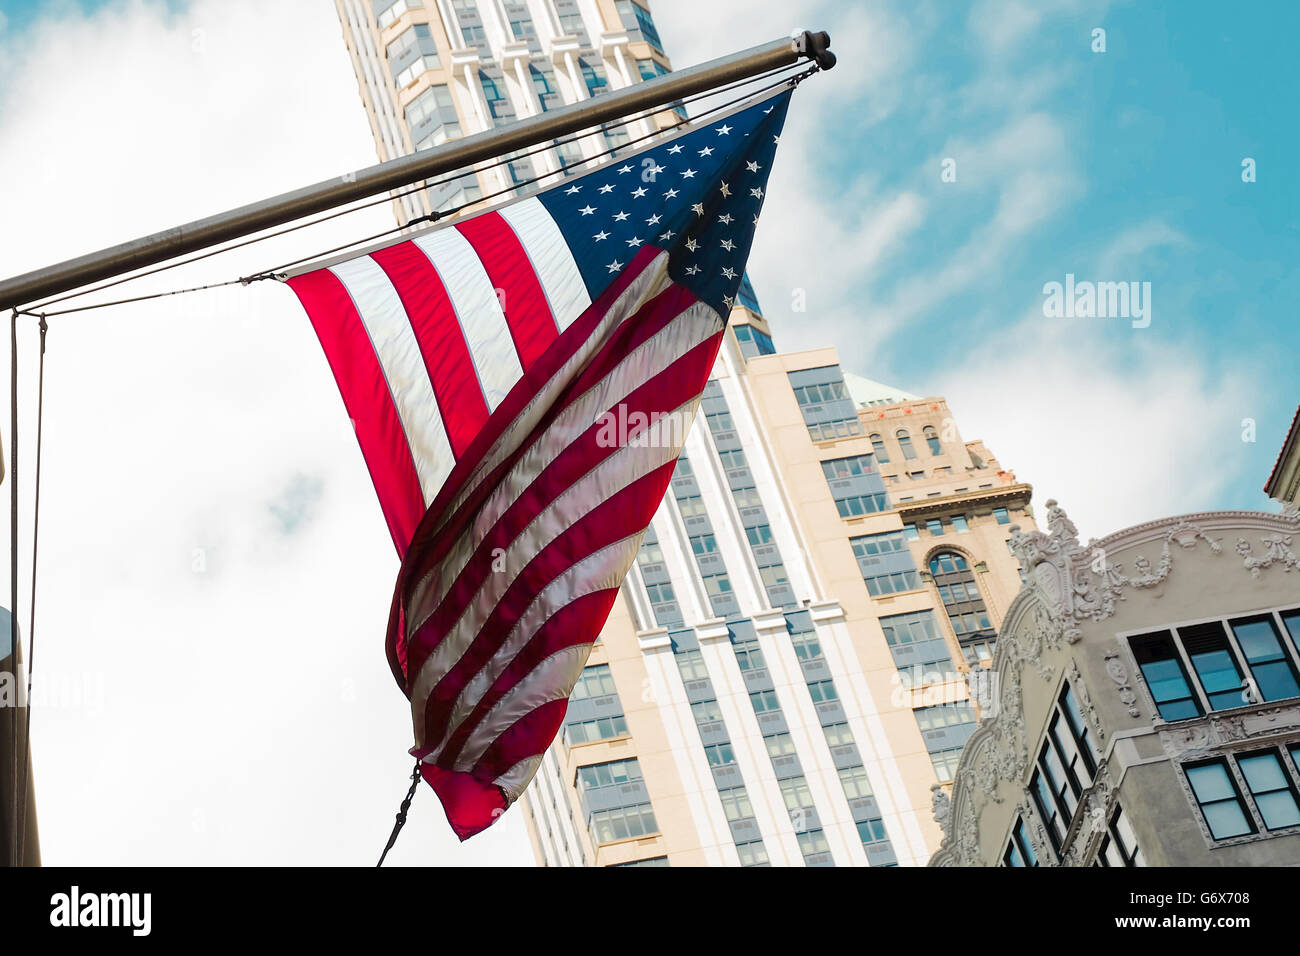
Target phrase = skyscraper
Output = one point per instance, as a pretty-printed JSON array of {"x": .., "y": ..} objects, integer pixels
[{"x": 782, "y": 679}]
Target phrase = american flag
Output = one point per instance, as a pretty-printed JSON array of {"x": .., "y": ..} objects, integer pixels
[{"x": 517, "y": 382}]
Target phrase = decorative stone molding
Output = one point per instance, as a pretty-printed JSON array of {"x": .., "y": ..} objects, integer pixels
[
  {"x": 1090, "y": 821},
  {"x": 1218, "y": 730},
  {"x": 1117, "y": 672},
  {"x": 1277, "y": 548},
  {"x": 941, "y": 807},
  {"x": 1081, "y": 694}
]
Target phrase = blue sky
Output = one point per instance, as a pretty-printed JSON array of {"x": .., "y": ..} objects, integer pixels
[
  {"x": 227, "y": 492},
  {"x": 1115, "y": 166}
]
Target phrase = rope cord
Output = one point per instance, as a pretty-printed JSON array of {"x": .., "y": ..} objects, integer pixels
[
  {"x": 15, "y": 853},
  {"x": 25, "y": 760},
  {"x": 791, "y": 75},
  {"x": 401, "y": 814}
]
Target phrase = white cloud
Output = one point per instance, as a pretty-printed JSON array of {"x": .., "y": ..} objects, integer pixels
[
  {"x": 1100, "y": 417},
  {"x": 243, "y": 713}
]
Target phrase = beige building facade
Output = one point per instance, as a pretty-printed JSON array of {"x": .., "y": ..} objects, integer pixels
[
  {"x": 784, "y": 676},
  {"x": 1144, "y": 703}
]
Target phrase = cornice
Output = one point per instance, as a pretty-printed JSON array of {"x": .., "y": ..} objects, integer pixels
[{"x": 1020, "y": 490}]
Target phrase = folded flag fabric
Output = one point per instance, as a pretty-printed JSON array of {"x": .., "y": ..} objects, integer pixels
[{"x": 521, "y": 383}]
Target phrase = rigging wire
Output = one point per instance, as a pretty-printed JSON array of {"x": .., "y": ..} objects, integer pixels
[
  {"x": 15, "y": 856},
  {"x": 401, "y": 814},
  {"x": 25, "y": 760},
  {"x": 792, "y": 74}
]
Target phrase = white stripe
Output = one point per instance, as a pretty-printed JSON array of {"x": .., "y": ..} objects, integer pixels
[
  {"x": 627, "y": 465},
  {"x": 652, "y": 280},
  {"x": 403, "y": 366},
  {"x": 515, "y": 780},
  {"x": 478, "y": 310},
  {"x": 551, "y": 259},
  {"x": 692, "y": 327},
  {"x": 604, "y": 569}
]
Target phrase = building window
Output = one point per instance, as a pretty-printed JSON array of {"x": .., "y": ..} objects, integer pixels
[
  {"x": 1020, "y": 851},
  {"x": 932, "y": 439},
  {"x": 945, "y": 762},
  {"x": 905, "y": 443},
  {"x": 912, "y": 532},
  {"x": 432, "y": 117},
  {"x": 638, "y": 22},
  {"x": 959, "y": 524},
  {"x": 1215, "y": 665},
  {"x": 1045, "y": 803},
  {"x": 594, "y": 712},
  {"x": 1079, "y": 729},
  {"x": 1220, "y": 801},
  {"x": 921, "y": 655},
  {"x": 852, "y": 466},
  {"x": 1271, "y": 788},
  {"x": 1119, "y": 847},
  {"x": 999, "y": 513},
  {"x": 1162, "y": 668},
  {"x": 625, "y": 806},
  {"x": 593, "y": 75},
  {"x": 754, "y": 342},
  {"x": 934, "y": 526},
  {"x": 881, "y": 452},
  {"x": 543, "y": 78},
  {"x": 389, "y": 14},
  {"x": 955, "y": 582},
  {"x": 824, "y": 401},
  {"x": 752, "y": 854},
  {"x": 1270, "y": 666}
]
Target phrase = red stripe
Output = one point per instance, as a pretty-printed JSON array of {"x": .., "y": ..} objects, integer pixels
[
  {"x": 367, "y": 398},
  {"x": 442, "y": 341},
  {"x": 678, "y": 384},
  {"x": 576, "y": 623},
  {"x": 649, "y": 320},
  {"x": 624, "y": 514},
  {"x": 524, "y": 391},
  {"x": 471, "y": 806},
  {"x": 523, "y": 300}
]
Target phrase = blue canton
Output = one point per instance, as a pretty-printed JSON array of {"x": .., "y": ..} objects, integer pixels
[{"x": 697, "y": 196}]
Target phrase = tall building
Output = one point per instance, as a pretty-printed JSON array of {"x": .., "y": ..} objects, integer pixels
[
  {"x": 1144, "y": 704},
  {"x": 782, "y": 680}
]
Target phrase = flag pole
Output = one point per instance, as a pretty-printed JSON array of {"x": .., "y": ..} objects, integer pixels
[{"x": 28, "y": 288}]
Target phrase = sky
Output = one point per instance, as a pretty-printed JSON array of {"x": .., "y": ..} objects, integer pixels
[{"x": 215, "y": 573}]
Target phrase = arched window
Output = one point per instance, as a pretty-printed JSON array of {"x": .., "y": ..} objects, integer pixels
[
  {"x": 878, "y": 444},
  {"x": 905, "y": 442},
  {"x": 932, "y": 439},
  {"x": 965, "y": 608}
]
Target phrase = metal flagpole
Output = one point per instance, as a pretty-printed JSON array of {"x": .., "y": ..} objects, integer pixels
[{"x": 237, "y": 223}]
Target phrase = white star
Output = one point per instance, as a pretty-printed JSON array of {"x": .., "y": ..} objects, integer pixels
[
  {"x": 638, "y": 193},
  {"x": 601, "y": 235},
  {"x": 724, "y": 130},
  {"x": 729, "y": 300},
  {"x": 688, "y": 173},
  {"x": 725, "y": 219},
  {"x": 587, "y": 210},
  {"x": 655, "y": 169},
  {"x": 756, "y": 219},
  {"x": 675, "y": 149},
  {"x": 692, "y": 245},
  {"x": 753, "y": 167},
  {"x": 607, "y": 188},
  {"x": 667, "y": 235},
  {"x": 766, "y": 111},
  {"x": 634, "y": 241},
  {"x": 624, "y": 169},
  {"x": 614, "y": 266},
  {"x": 654, "y": 220},
  {"x": 671, "y": 194},
  {"x": 777, "y": 140},
  {"x": 728, "y": 245},
  {"x": 707, "y": 151},
  {"x": 726, "y": 190},
  {"x": 729, "y": 273},
  {"x": 573, "y": 190},
  {"x": 693, "y": 270},
  {"x": 620, "y": 217},
  {"x": 757, "y": 191},
  {"x": 698, "y": 209}
]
